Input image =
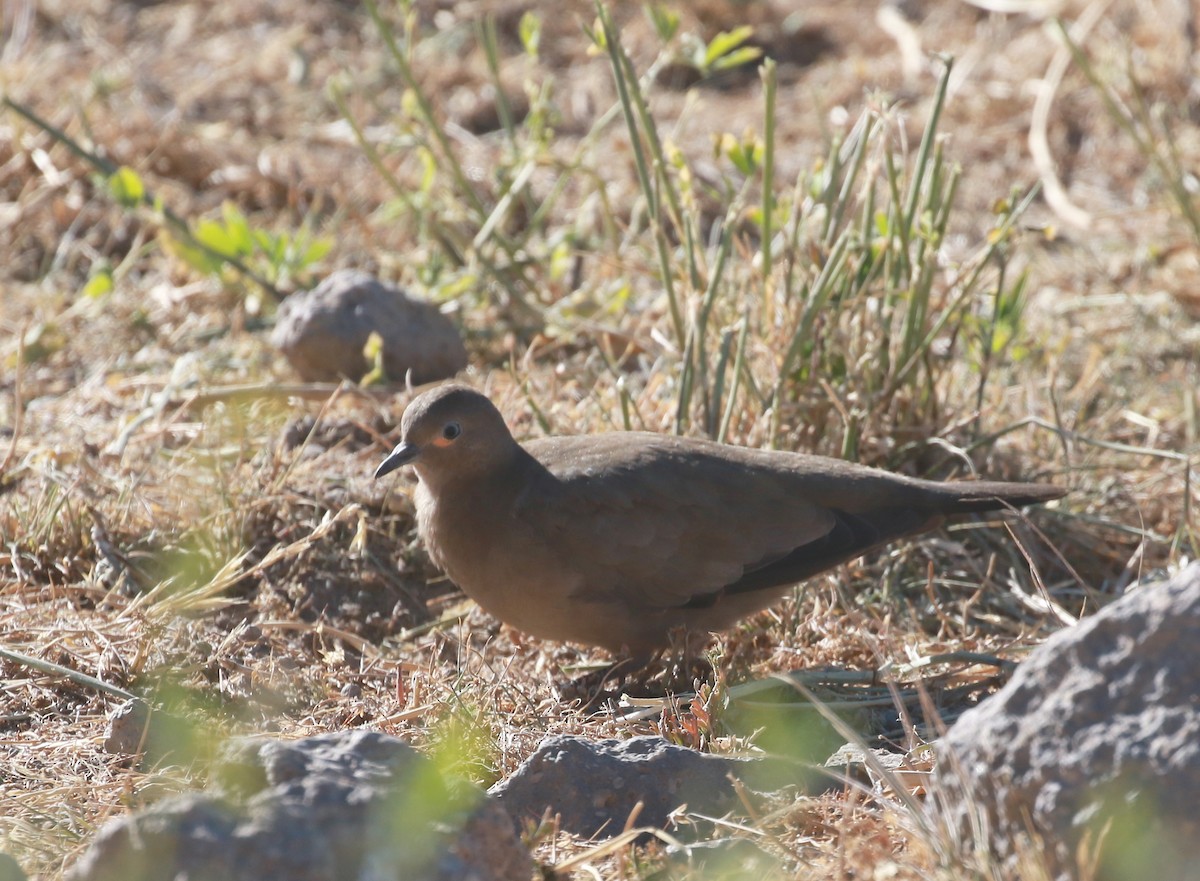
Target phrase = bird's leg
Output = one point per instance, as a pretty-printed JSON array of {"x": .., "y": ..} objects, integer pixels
[
  {"x": 592, "y": 689},
  {"x": 689, "y": 663}
]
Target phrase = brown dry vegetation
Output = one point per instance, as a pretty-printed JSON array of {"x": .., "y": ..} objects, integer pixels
[{"x": 165, "y": 534}]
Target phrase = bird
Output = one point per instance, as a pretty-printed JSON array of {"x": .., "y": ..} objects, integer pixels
[{"x": 623, "y": 540}]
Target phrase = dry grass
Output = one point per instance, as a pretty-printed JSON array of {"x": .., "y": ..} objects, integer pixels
[{"x": 172, "y": 533}]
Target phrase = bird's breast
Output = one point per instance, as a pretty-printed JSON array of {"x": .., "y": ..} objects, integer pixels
[{"x": 494, "y": 556}]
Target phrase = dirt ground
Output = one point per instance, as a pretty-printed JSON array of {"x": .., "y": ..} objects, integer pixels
[{"x": 175, "y": 524}]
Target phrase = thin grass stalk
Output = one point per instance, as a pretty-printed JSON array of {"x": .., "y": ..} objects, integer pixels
[
  {"x": 448, "y": 245},
  {"x": 486, "y": 35},
  {"x": 704, "y": 313},
  {"x": 575, "y": 164},
  {"x": 718, "y": 383},
  {"x": 650, "y": 130},
  {"x": 927, "y": 141},
  {"x": 897, "y": 232},
  {"x": 504, "y": 205},
  {"x": 174, "y": 222},
  {"x": 769, "y": 78},
  {"x": 859, "y": 137},
  {"x": 687, "y": 378},
  {"x": 739, "y": 367},
  {"x": 623, "y": 399},
  {"x": 463, "y": 186},
  {"x": 617, "y": 62},
  {"x": 793, "y": 242},
  {"x": 919, "y": 289},
  {"x": 1173, "y": 175},
  {"x": 816, "y": 299},
  {"x": 987, "y": 342},
  {"x": 965, "y": 288},
  {"x": 485, "y": 30},
  {"x": 425, "y": 106}
]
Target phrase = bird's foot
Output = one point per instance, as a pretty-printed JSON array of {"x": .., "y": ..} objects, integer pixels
[{"x": 654, "y": 677}]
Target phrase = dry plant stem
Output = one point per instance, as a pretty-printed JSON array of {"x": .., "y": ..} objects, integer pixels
[
  {"x": 163, "y": 601},
  {"x": 448, "y": 245},
  {"x": 316, "y": 391},
  {"x": 66, "y": 673},
  {"x": 869, "y": 757},
  {"x": 177, "y": 224},
  {"x": 1039, "y": 141},
  {"x": 466, "y": 190},
  {"x": 18, "y": 404},
  {"x": 620, "y": 69},
  {"x": 319, "y": 629}
]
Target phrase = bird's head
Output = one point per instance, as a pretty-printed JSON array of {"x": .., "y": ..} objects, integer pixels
[{"x": 450, "y": 432}]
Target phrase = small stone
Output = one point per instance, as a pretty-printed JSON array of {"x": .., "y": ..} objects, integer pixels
[
  {"x": 322, "y": 332},
  {"x": 10, "y": 869},
  {"x": 594, "y": 786},
  {"x": 128, "y": 728}
]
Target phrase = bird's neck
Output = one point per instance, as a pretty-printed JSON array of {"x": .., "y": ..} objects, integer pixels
[{"x": 500, "y": 468}]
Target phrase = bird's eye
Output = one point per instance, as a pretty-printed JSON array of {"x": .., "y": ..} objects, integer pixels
[{"x": 451, "y": 431}]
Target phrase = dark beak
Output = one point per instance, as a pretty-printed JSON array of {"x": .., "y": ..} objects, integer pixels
[{"x": 402, "y": 455}]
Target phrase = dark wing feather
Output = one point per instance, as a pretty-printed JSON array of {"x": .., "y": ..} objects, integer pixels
[{"x": 661, "y": 522}]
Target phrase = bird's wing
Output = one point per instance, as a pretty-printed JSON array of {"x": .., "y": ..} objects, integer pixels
[{"x": 659, "y": 523}]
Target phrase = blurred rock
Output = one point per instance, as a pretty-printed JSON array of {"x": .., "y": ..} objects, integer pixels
[
  {"x": 128, "y": 727},
  {"x": 852, "y": 762},
  {"x": 594, "y": 786},
  {"x": 354, "y": 804},
  {"x": 322, "y": 332},
  {"x": 1094, "y": 745},
  {"x": 10, "y": 870}
]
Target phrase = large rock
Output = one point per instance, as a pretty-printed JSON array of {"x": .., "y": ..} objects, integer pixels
[
  {"x": 322, "y": 332},
  {"x": 593, "y": 786},
  {"x": 1093, "y": 747},
  {"x": 354, "y": 804}
]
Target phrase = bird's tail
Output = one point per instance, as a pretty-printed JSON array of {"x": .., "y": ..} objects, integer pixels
[{"x": 986, "y": 495}]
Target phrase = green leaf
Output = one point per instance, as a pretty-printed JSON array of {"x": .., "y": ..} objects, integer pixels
[
  {"x": 99, "y": 284},
  {"x": 725, "y": 42},
  {"x": 530, "y": 31},
  {"x": 316, "y": 251},
  {"x": 596, "y": 34},
  {"x": 665, "y": 21},
  {"x": 455, "y": 286},
  {"x": 883, "y": 224},
  {"x": 126, "y": 187},
  {"x": 373, "y": 353},
  {"x": 237, "y": 228},
  {"x": 561, "y": 260},
  {"x": 213, "y": 235},
  {"x": 746, "y": 155},
  {"x": 737, "y": 58},
  {"x": 197, "y": 258},
  {"x": 428, "y": 169}
]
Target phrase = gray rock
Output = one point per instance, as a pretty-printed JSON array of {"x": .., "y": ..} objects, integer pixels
[
  {"x": 594, "y": 785},
  {"x": 128, "y": 728},
  {"x": 322, "y": 332},
  {"x": 1095, "y": 742},
  {"x": 10, "y": 869},
  {"x": 354, "y": 804}
]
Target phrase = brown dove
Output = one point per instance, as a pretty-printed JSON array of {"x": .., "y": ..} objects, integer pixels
[{"x": 618, "y": 539}]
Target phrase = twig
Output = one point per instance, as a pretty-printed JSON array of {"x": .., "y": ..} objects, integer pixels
[
  {"x": 1039, "y": 141},
  {"x": 67, "y": 673}
]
